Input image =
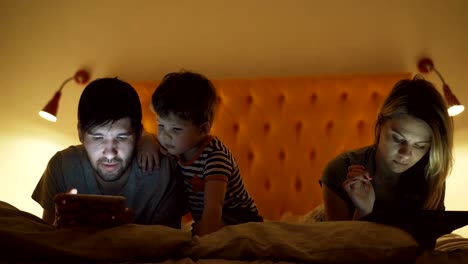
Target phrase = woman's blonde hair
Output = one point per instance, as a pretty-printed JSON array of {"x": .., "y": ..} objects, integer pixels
[{"x": 419, "y": 98}]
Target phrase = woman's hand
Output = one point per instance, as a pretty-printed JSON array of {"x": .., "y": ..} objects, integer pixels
[
  {"x": 359, "y": 187},
  {"x": 148, "y": 152}
]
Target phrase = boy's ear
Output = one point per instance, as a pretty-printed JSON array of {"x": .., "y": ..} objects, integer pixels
[{"x": 205, "y": 128}]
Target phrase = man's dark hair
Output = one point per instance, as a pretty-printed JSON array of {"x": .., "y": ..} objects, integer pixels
[{"x": 105, "y": 101}]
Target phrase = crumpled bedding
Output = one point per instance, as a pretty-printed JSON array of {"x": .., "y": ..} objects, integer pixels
[
  {"x": 451, "y": 242},
  {"x": 26, "y": 238}
]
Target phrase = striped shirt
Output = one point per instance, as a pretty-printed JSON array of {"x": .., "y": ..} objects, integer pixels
[{"x": 214, "y": 161}]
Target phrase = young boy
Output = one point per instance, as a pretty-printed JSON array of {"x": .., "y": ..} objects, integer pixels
[{"x": 184, "y": 103}]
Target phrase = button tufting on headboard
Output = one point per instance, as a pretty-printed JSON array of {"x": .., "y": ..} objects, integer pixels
[
  {"x": 312, "y": 155},
  {"x": 250, "y": 156},
  {"x": 298, "y": 126},
  {"x": 330, "y": 125},
  {"x": 267, "y": 185},
  {"x": 283, "y": 131},
  {"x": 313, "y": 98},
  {"x": 360, "y": 124},
  {"x": 298, "y": 184},
  {"x": 235, "y": 128},
  {"x": 281, "y": 99},
  {"x": 344, "y": 96},
  {"x": 266, "y": 127},
  {"x": 249, "y": 99},
  {"x": 282, "y": 155}
]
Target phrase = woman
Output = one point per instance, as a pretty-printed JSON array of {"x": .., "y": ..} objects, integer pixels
[{"x": 405, "y": 168}]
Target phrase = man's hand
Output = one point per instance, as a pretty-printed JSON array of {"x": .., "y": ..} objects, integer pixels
[{"x": 359, "y": 187}]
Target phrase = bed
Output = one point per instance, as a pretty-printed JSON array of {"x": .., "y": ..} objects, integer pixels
[{"x": 282, "y": 132}]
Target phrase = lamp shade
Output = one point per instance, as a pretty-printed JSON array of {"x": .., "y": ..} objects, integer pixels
[
  {"x": 454, "y": 105},
  {"x": 49, "y": 112},
  {"x": 426, "y": 65}
]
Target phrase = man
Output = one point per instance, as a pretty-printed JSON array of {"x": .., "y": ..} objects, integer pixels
[{"x": 109, "y": 127}]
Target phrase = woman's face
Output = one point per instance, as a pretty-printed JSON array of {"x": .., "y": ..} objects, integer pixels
[{"x": 404, "y": 140}]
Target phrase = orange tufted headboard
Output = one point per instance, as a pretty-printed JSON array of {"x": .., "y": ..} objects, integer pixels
[{"x": 283, "y": 131}]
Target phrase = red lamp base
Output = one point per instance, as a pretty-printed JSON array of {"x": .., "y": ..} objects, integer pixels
[
  {"x": 425, "y": 65},
  {"x": 81, "y": 77}
]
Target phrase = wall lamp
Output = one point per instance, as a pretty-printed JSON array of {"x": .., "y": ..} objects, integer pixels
[
  {"x": 426, "y": 65},
  {"x": 49, "y": 112}
]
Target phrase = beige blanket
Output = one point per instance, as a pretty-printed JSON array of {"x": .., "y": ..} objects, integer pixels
[{"x": 26, "y": 238}]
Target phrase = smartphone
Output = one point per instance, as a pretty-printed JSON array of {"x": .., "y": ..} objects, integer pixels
[{"x": 90, "y": 210}]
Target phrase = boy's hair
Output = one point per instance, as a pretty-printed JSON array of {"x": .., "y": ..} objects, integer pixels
[
  {"x": 105, "y": 101},
  {"x": 187, "y": 95}
]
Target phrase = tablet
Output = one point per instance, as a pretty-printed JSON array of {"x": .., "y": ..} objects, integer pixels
[
  {"x": 426, "y": 226},
  {"x": 90, "y": 210}
]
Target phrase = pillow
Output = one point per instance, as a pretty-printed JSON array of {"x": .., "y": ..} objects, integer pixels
[
  {"x": 451, "y": 242},
  {"x": 320, "y": 242},
  {"x": 315, "y": 215}
]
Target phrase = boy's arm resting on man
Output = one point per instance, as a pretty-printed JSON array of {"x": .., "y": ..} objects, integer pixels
[
  {"x": 148, "y": 152},
  {"x": 215, "y": 191}
]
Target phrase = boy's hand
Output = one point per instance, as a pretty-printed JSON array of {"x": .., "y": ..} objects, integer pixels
[
  {"x": 215, "y": 191},
  {"x": 148, "y": 152}
]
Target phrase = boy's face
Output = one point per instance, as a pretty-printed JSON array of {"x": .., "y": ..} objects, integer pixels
[
  {"x": 110, "y": 148},
  {"x": 179, "y": 136}
]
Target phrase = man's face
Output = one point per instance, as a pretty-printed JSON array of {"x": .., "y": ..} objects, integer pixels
[{"x": 110, "y": 148}]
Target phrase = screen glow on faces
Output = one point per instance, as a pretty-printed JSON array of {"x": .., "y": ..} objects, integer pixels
[
  {"x": 404, "y": 140},
  {"x": 178, "y": 136},
  {"x": 110, "y": 148}
]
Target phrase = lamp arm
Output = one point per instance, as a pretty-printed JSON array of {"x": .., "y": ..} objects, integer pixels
[
  {"x": 65, "y": 82},
  {"x": 440, "y": 76}
]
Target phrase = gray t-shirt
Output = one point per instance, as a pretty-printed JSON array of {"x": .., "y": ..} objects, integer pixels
[
  {"x": 410, "y": 193},
  {"x": 155, "y": 197}
]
